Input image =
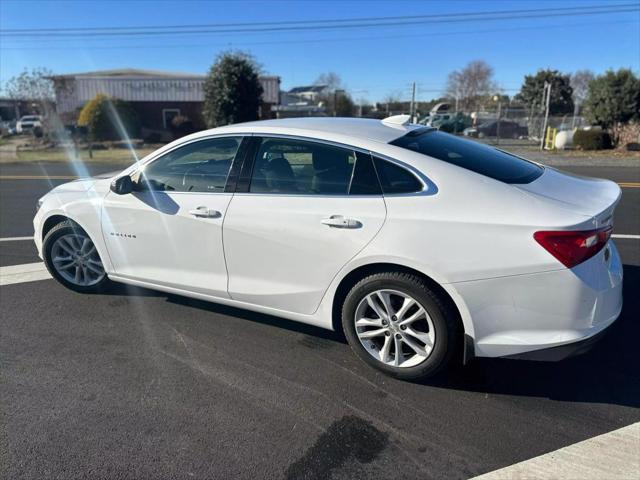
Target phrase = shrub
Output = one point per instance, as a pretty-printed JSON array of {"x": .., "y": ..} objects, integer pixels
[
  {"x": 105, "y": 118},
  {"x": 181, "y": 126},
  {"x": 37, "y": 132},
  {"x": 591, "y": 140}
]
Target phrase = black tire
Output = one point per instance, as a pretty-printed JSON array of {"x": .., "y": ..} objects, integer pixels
[
  {"x": 65, "y": 228},
  {"x": 445, "y": 322}
]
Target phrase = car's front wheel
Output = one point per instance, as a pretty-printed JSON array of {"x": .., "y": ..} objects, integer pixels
[
  {"x": 396, "y": 323},
  {"x": 71, "y": 258}
]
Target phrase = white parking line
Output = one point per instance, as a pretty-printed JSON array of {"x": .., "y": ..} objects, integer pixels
[
  {"x": 635, "y": 237},
  {"x": 15, "y": 239},
  {"x": 614, "y": 455},
  {"x": 28, "y": 272}
]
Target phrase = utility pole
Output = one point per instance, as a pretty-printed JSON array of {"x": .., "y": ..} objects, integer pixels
[
  {"x": 336, "y": 92},
  {"x": 547, "y": 89},
  {"x": 496, "y": 98},
  {"x": 412, "y": 110}
]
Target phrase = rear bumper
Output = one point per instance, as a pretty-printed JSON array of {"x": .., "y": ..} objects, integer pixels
[
  {"x": 554, "y": 354},
  {"x": 546, "y": 315}
]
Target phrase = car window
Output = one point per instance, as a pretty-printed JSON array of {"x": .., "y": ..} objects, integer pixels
[
  {"x": 471, "y": 155},
  {"x": 300, "y": 167},
  {"x": 364, "y": 180},
  {"x": 396, "y": 179},
  {"x": 201, "y": 166}
]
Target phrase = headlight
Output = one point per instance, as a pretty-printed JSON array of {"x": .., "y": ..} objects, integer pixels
[{"x": 38, "y": 205}]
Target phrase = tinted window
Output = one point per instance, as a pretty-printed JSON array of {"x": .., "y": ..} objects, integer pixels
[
  {"x": 364, "y": 181},
  {"x": 300, "y": 167},
  {"x": 472, "y": 156},
  {"x": 197, "y": 167},
  {"x": 395, "y": 179}
]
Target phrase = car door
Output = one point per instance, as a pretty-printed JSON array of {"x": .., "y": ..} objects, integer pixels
[
  {"x": 302, "y": 210},
  {"x": 168, "y": 231}
]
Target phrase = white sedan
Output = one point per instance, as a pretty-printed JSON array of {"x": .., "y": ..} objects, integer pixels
[{"x": 421, "y": 246}]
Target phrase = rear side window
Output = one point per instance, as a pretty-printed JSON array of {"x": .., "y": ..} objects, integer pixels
[
  {"x": 472, "y": 156},
  {"x": 395, "y": 179},
  {"x": 288, "y": 166}
]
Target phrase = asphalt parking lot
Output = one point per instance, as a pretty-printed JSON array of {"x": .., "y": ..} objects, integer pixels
[{"x": 140, "y": 384}]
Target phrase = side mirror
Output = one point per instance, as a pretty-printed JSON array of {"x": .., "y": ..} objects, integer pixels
[{"x": 122, "y": 185}]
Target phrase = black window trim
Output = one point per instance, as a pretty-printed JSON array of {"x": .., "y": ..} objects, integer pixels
[
  {"x": 231, "y": 180},
  {"x": 428, "y": 187},
  {"x": 244, "y": 182}
]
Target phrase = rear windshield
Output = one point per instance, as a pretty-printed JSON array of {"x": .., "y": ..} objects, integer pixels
[{"x": 471, "y": 155}]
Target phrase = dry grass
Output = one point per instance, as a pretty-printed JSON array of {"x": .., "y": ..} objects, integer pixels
[{"x": 119, "y": 156}]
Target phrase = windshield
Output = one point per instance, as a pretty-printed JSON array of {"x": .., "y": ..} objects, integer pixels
[{"x": 471, "y": 155}]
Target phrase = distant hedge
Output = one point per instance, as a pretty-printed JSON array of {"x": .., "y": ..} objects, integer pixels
[
  {"x": 591, "y": 140},
  {"x": 108, "y": 118}
]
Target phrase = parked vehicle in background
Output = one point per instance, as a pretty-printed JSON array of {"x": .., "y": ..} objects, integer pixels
[
  {"x": 421, "y": 246},
  {"x": 28, "y": 123},
  {"x": 455, "y": 124},
  {"x": 507, "y": 129}
]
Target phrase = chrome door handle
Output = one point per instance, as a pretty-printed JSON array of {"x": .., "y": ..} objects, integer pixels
[
  {"x": 338, "y": 221},
  {"x": 205, "y": 212}
]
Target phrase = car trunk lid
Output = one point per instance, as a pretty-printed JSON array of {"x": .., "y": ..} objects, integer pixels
[{"x": 592, "y": 197}]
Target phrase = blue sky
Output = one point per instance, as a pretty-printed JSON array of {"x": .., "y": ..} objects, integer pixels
[{"x": 372, "y": 62}]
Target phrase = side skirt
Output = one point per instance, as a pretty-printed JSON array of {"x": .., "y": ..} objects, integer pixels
[{"x": 307, "y": 319}]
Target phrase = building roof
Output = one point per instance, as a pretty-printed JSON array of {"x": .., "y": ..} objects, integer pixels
[
  {"x": 130, "y": 72},
  {"x": 309, "y": 88}
]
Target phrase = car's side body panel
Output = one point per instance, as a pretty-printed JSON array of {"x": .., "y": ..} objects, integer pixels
[
  {"x": 279, "y": 253},
  {"x": 153, "y": 236}
]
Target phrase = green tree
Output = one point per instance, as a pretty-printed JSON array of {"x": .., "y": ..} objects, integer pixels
[
  {"x": 232, "y": 90},
  {"x": 532, "y": 89},
  {"x": 108, "y": 118},
  {"x": 345, "y": 106},
  {"x": 613, "y": 99}
]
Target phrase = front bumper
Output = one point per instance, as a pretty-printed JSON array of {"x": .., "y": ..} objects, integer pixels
[{"x": 523, "y": 314}]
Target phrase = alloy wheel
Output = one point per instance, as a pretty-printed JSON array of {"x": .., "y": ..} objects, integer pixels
[
  {"x": 75, "y": 258},
  {"x": 394, "y": 328}
]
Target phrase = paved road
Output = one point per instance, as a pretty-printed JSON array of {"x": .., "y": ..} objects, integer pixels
[{"x": 138, "y": 384}]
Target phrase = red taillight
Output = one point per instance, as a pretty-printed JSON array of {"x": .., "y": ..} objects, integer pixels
[{"x": 574, "y": 247}]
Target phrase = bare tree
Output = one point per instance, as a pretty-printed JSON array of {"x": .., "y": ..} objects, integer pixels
[
  {"x": 34, "y": 85},
  {"x": 331, "y": 79},
  {"x": 580, "y": 81},
  {"x": 470, "y": 84}
]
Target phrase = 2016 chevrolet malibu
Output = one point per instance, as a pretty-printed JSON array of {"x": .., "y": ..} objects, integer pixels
[{"x": 421, "y": 246}]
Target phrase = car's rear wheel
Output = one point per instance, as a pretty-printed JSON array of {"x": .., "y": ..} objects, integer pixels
[
  {"x": 397, "y": 324},
  {"x": 72, "y": 258}
]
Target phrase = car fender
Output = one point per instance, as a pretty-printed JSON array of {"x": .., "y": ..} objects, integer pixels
[
  {"x": 87, "y": 214},
  {"x": 325, "y": 309}
]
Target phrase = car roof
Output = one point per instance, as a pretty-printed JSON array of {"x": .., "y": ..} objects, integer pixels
[{"x": 336, "y": 128}]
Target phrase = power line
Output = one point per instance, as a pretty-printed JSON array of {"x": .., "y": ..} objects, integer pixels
[
  {"x": 48, "y": 45},
  {"x": 298, "y": 22},
  {"x": 335, "y": 24}
]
